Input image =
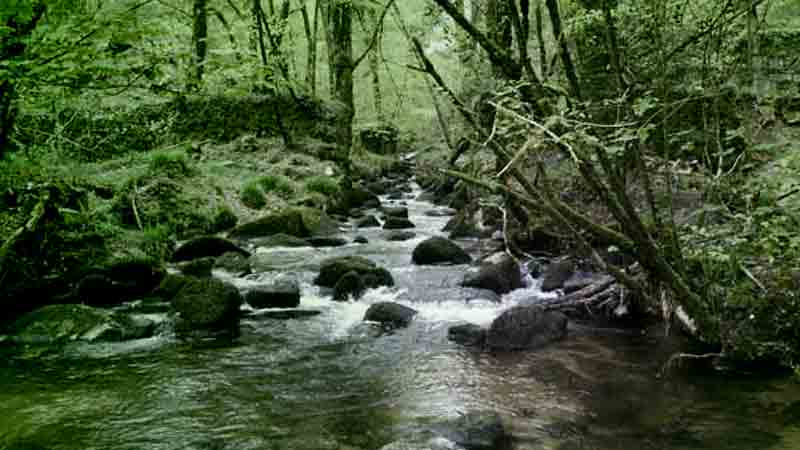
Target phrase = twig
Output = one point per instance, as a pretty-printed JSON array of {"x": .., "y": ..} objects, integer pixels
[
  {"x": 547, "y": 131},
  {"x": 672, "y": 361},
  {"x": 135, "y": 209},
  {"x": 752, "y": 277},
  {"x": 375, "y": 33}
]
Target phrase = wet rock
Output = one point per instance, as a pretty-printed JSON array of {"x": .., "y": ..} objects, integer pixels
[
  {"x": 526, "y": 327},
  {"x": 556, "y": 274},
  {"x": 332, "y": 269},
  {"x": 381, "y": 138},
  {"x": 395, "y": 196},
  {"x": 170, "y": 286},
  {"x": 233, "y": 263},
  {"x": 367, "y": 222},
  {"x": 395, "y": 211},
  {"x": 349, "y": 285},
  {"x": 326, "y": 241},
  {"x": 200, "y": 267},
  {"x": 207, "y": 304},
  {"x": 206, "y": 246},
  {"x": 463, "y": 225},
  {"x": 379, "y": 187},
  {"x": 282, "y": 294},
  {"x": 467, "y": 334},
  {"x": 284, "y": 314},
  {"x": 397, "y": 223},
  {"x": 477, "y": 430},
  {"x": 390, "y": 315},
  {"x": 501, "y": 277},
  {"x": 438, "y": 250},
  {"x": 280, "y": 240},
  {"x": 60, "y": 324},
  {"x": 121, "y": 281},
  {"x": 99, "y": 290},
  {"x": 296, "y": 221},
  {"x": 427, "y": 196},
  {"x": 361, "y": 240},
  {"x": 443, "y": 212},
  {"x": 399, "y": 235}
]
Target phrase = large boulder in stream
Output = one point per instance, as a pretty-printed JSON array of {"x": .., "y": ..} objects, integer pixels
[
  {"x": 349, "y": 199},
  {"x": 61, "y": 324},
  {"x": 333, "y": 269},
  {"x": 526, "y": 327},
  {"x": 207, "y": 304},
  {"x": 296, "y": 221},
  {"x": 206, "y": 246},
  {"x": 476, "y": 430},
  {"x": 368, "y": 221},
  {"x": 282, "y": 294},
  {"x": 390, "y": 315},
  {"x": 397, "y": 223},
  {"x": 395, "y": 211},
  {"x": 439, "y": 250},
  {"x": 500, "y": 277},
  {"x": 117, "y": 283},
  {"x": 467, "y": 334},
  {"x": 556, "y": 274}
]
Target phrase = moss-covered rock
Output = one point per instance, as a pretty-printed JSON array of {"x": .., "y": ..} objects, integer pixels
[
  {"x": 282, "y": 294},
  {"x": 280, "y": 240},
  {"x": 334, "y": 269},
  {"x": 200, "y": 267},
  {"x": 397, "y": 223},
  {"x": 438, "y": 250},
  {"x": 382, "y": 138},
  {"x": 349, "y": 199},
  {"x": 234, "y": 263},
  {"x": 205, "y": 246},
  {"x": 297, "y": 221},
  {"x": 207, "y": 304}
]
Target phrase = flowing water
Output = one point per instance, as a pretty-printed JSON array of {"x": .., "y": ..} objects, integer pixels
[{"x": 328, "y": 382}]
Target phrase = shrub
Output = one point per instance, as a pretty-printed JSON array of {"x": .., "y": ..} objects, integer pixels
[
  {"x": 323, "y": 185},
  {"x": 171, "y": 164},
  {"x": 252, "y": 196},
  {"x": 224, "y": 219},
  {"x": 276, "y": 183}
]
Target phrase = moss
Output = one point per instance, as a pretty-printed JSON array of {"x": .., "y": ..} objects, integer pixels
[
  {"x": 277, "y": 184},
  {"x": 224, "y": 219},
  {"x": 173, "y": 164}
]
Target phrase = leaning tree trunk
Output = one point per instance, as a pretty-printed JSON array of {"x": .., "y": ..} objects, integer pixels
[
  {"x": 199, "y": 43},
  {"x": 6, "y": 115},
  {"x": 341, "y": 42}
]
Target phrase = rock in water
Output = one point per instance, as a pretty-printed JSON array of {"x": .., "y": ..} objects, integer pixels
[
  {"x": 501, "y": 277},
  {"x": 556, "y": 274},
  {"x": 296, "y": 221},
  {"x": 326, "y": 241},
  {"x": 477, "y": 430},
  {"x": 390, "y": 315},
  {"x": 350, "y": 284},
  {"x": 200, "y": 267},
  {"x": 207, "y": 304},
  {"x": 395, "y": 211},
  {"x": 206, "y": 246},
  {"x": 438, "y": 250},
  {"x": 526, "y": 327},
  {"x": 368, "y": 222},
  {"x": 467, "y": 334},
  {"x": 332, "y": 269},
  {"x": 233, "y": 263},
  {"x": 399, "y": 235},
  {"x": 282, "y": 294},
  {"x": 397, "y": 223}
]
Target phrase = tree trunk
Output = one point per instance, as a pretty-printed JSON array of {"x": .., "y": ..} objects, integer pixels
[
  {"x": 6, "y": 115},
  {"x": 566, "y": 57},
  {"x": 326, "y": 9},
  {"x": 540, "y": 38},
  {"x": 341, "y": 17},
  {"x": 498, "y": 25},
  {"x": 199, "y": 42},
  {"x": 374, "y": 65},
  {"x": 613, "y": 46},
  {"x": 311, "y": 67}
]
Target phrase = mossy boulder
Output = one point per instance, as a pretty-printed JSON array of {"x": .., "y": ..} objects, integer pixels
[
  {"x": 349, "y": 199},
  {"x": 439, "y": 250},
  {"x": 397, "y": 223},
  {"x": 61, "y": 324},
  {"x": 395, "y": 211},
  {"x": 296, "y": 221},
  {"x": 200, "y": 267},
  {"x": 400, "y": 235},
  {"x": 380, "y": 138},
  {"x": 207, "y": 304},
  {"x": 556, "y": 274},
  {"x": 499, "y": 277},
  {"x": 390, "y": 315},
  {"x": 120, "y": 281},
  {"x": 280, "y": 240},
  {"x": 282, "y": 294},
  {"x": 206, "y": 246},
  {"x": 349, "y": 285},
  {"x": 333, "y": 269},
  {"x": 368, "y": 222},
  {"x": 526, "y": 327},
  {"x": 234, "y": 263}
]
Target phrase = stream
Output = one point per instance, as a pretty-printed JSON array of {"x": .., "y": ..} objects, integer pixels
[{"x": 327, "y": 382}]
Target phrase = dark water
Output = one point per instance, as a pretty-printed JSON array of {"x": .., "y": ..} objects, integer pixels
[{"x": 327, "y": 382}]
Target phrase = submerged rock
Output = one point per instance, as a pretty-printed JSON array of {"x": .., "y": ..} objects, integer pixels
[
  {"x": 397, "y": 223},
  {"x": 284, "y": 314},
  {"x": 350, "y": 284},
  {"x": 501, "y": 277},
  {"x": 207, "y": 304},
  {"x": 395, "y": 211},
  {"x": 438, "y": 250},
  {"x": 526, "y": 327},
  {"x": 477, "y": 430},
  {"x": 467, "y": 334},
  {"x": 390, "y": 315},
  {"x": 60, "y": 324},
  {"x": 206, "y": 246},
  {"x": 282, "y": 294},
  {"x": 399, "y": 235},
  {"x": 361, "y": 240},
  {"x": 353, "y": 198},
  {"x": 327, "y": 241}
]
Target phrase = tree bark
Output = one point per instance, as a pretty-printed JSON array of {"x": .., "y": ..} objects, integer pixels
[
  {"x": 341, "y": 18},
  {"x": 374, "y": 64},
  {"x": 199, "y": 42},
  {"x": 613, "y": 46},
  {"x": 540, "y": 38},
  {"x": 566, "y": 56},
  {"x": 311, "y": 67},
  {"x": 6, "y": 115}
]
